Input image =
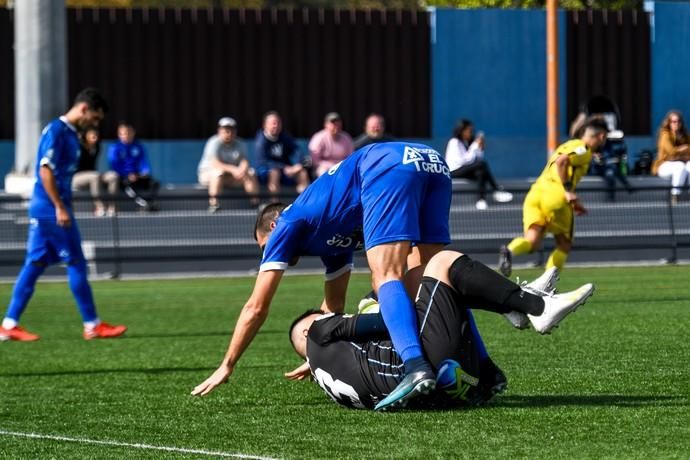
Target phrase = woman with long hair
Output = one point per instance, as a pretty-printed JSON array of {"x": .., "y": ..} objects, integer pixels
[
  {"x": 673, "y": 152},
  {"x": 465, "y": 158}
]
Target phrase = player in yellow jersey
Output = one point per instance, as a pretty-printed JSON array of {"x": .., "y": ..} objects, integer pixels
[{"x": 551, "y": 202}]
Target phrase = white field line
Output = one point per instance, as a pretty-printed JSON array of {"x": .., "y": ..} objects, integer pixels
[{"x": 131, "y": 445}]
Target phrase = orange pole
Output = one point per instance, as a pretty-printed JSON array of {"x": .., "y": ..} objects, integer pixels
[{"x": 552, "y": 74}]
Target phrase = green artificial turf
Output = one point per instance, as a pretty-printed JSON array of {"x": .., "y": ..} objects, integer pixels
[{"x": 612, "y": 382}]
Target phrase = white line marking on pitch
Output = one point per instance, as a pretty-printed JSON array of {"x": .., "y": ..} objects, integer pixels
[{"x": 132, "y": 445}]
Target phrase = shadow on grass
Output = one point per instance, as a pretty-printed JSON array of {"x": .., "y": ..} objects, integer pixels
[
  {"x": 175, "y": 335},
  {"x": 163, "y": 335},
  {"x": 145, "y": 371},
  {"x": 590, "y": 400}
]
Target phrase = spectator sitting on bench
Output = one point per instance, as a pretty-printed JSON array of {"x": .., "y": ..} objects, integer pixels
[
  {"x": 329, "y": 146},
  {"x": 224, "y": 163},
  {"x": 673, "y": 153},
  {"x": 465, "y": 158},
  {"x": 88, "y": 177},
  {"x": 276, "y": 155},
  {"x": 128, "y": 159}
]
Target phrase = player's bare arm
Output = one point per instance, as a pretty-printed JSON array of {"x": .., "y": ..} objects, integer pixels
[
  {"x": 335, "y": 291},
  {"x": 50, "y": 186},
  {"x": 251, "y": 319}
]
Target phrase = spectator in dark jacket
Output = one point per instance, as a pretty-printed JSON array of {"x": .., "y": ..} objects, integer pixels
[
  {"x": 374, "y": 132},
  {"x": 277, "y": 156}
]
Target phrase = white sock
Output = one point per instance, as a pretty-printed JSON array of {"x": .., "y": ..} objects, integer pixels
[
  {"x": 91, "y": 324},
  {"x": 9, "y": 323}
]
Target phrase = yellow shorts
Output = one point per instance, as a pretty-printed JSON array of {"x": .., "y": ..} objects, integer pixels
[{"x": 546, "y": 206}]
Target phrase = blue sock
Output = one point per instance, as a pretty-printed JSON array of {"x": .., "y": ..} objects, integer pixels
[
  {"x": 478, "y": 342},
  {"x": 23, "y": 289},
  {"x": 79, "y": 284},
  {"x": 401, "y": 319}
]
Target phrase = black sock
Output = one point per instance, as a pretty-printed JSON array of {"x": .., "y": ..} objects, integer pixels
[
  {"x": 416, "y": 364},
  {"x": 475, "y": 280}
]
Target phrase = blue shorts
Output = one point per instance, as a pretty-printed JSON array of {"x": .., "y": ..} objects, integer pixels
[
  {"x": 404, "y": 203},
  {"x": 50, "y": 244}
]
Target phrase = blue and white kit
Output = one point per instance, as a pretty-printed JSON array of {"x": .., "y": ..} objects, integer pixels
[
  {"x": 382, "y": 193},
  {"x": 49, "y": 243}
]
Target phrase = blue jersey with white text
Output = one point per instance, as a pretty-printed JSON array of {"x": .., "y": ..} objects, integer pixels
[
  {"x": 327, "y": 219},
  {"x": 59, "y": 150}
]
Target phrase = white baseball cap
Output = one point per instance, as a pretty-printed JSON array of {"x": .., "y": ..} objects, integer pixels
[{"x": 227, "y": 122}]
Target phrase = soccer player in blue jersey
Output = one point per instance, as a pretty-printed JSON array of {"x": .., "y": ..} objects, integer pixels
[
  {"x": 393, "y": 200},
  {"x": 53, "y": 233}
]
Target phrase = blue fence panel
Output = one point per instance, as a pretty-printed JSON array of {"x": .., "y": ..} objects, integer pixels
[
  {"x": 670, "y": 60},
  {"x": 490, "y": 66},
  {"x": 6, "y": 158}
]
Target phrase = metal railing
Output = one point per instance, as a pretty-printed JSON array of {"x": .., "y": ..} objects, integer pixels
[{"x": 184, "y": 230}]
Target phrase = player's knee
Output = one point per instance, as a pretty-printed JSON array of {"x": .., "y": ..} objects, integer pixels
[{"x": 439, "y": 265}]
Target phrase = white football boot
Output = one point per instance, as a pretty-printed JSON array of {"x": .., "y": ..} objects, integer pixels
[
  {"x": 558, "y": 306},
  {"x": 542, "y": 286}
]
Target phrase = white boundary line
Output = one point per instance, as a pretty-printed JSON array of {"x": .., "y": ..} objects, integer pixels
[{"x": 132, "y": 445}]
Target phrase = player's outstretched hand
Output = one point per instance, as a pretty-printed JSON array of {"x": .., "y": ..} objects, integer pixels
[
  {"x": 299, "y": 373},
  {"x": 219, "y": 377}
]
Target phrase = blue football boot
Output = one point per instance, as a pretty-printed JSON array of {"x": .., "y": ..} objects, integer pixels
[{"x": 419, "y": 382}]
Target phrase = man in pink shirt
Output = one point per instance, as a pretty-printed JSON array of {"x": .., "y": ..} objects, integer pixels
[{"x": 329, "y": 146}]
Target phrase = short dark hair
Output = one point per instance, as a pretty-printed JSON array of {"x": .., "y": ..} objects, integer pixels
[
  {"x": 266, "y": 215},
  {"x": 125, "y": 123},
  {"x": 460, "y": 127},
  {"x": 311, "y": 311},
  {"x": 595, "y": 123},
  {"x": 93, "y": 98},
  {"x": 268, "y": 114}
]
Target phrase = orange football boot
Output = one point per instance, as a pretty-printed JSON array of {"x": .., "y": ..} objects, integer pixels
[
  {"x": 17, "y": 333},
  {"x": 104, "y": 331}
]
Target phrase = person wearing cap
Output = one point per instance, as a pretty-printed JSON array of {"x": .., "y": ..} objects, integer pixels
[
  {"x": 329, "y": 146},
  {"x": 278, "y": 156},
  {"x": 224, "y": 164}
]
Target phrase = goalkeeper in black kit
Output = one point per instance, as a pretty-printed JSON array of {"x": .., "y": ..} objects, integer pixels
[{"x": 352, "y": 358}]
